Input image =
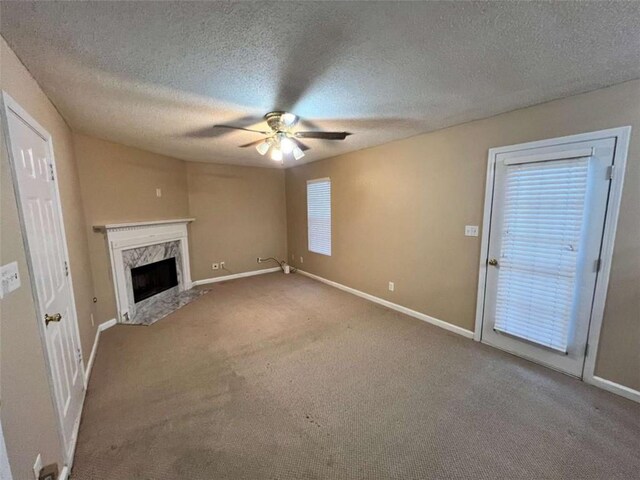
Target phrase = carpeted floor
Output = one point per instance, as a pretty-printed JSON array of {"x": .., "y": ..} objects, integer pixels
[{"x": 282, "y": 377}]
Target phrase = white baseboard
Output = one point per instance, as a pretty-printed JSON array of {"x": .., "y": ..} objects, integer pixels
[
  {"x": 224, "y": 278},
  {"x": 101, "y": 328},
  {"x": 394, "y": 306},
  {"x": 614, "y": 387},
  {"x": 64, "y": 474},
  {"x": 108, "y": 324}
]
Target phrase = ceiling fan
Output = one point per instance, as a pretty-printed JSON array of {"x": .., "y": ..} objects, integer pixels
[{"x": 282, "y": 139}]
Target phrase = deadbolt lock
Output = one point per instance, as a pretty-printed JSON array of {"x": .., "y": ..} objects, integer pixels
[
  {"x": 493, "y": 262},
  {"x": 56, "y": 317}
]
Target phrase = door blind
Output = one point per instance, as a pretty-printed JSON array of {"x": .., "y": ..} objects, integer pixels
[
  {"x": 319, "y": 215},
  {"x": 543, "y": 217}
]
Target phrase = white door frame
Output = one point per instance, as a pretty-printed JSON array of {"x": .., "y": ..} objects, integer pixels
[
  {"x": 5, "y": 469},
  {"x": 9, "y": 104},
  {"x": 622, "y": 135}
]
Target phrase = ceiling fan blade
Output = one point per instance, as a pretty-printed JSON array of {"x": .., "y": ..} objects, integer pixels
[
  {"x": 211, "y": 131},
  {"x": 323, "y": 135},
  {"x": 301, "y": 145},
  {"x": 253, "y": 144},
  {"x": 297, "y": 74},
  {"x": 240, "y": 128}
]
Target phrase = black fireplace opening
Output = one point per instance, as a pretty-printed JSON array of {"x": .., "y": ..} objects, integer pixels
[{"x": 153, "y": 278}]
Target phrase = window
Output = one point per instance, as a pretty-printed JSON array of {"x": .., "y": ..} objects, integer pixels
[{"x": 319, "y": 215}]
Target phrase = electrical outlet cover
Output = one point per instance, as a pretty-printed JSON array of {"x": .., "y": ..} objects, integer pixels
[{"x": 392, "y": 286}]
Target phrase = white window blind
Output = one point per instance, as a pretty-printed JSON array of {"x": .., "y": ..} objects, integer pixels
[
  {"x": 319, "y": 215},
  {"x": 543, "y": 217}
]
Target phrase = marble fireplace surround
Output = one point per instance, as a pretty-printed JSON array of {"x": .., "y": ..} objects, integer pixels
[
  {"x": 139, "y": 256},
  {"x": 135, "y": 244}
]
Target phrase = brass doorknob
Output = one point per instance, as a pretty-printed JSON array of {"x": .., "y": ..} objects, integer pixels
[
  {"x": 493, "y": 262},
  {"x": 56, "y": 317}
]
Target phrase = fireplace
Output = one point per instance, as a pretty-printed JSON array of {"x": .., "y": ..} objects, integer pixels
[
  {"x": 140, "y": 250},
  {"x": 153, "y": 278}
]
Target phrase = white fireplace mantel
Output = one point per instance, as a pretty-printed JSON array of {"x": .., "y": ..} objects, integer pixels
[
  {"x": 138, "y": 225},
  {"x": 124, "y": 236}
]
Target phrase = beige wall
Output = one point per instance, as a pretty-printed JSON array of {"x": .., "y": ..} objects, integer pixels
[
  {"x": 399, "y": 212},
  {"x": 239, "y": 211},
  {"x": 28, "y": 415},
  {"x": 240, "y": 215},
  {"x": 119, "y": 185}
]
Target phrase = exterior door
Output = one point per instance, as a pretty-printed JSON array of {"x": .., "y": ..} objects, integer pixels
[
  {"x": 38, "y": 202},
  {"x": 547, "y": 221}
]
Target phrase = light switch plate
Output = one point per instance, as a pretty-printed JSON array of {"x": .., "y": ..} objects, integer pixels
[
  {"x": 471, "y": 230},
  {"x": 9, "y": 278},
  {"x": 158, "y": 192}
]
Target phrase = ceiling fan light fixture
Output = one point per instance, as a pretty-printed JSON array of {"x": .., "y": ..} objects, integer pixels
[
  {"x": 289, "y": 119},
  {"x": 263, "y": 147},
  {"x": 276, "y": 154},
  {"x": 297, "y": 153},
  {"x": 281, "y": 139},
  {"x": 286, "y": 145}
]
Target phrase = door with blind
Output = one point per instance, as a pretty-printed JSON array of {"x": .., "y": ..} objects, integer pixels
[{"x": 547, "y": 220}]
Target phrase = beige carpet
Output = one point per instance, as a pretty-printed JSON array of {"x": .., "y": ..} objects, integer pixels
[{"x": 282, "y": 377}]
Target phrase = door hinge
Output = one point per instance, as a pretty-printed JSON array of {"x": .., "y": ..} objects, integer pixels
[
  {"x": 66, "y": 269},
  {"x": 586, "y": 349},
  {"x": 598, "y": 265},
  {"x": 610, "y": 172},
  {"x": 79, "y": 355},
  {"x": 51, "y": 171}
]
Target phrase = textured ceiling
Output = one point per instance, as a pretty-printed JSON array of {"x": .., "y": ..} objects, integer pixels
[{"x": 158, "y": 75}]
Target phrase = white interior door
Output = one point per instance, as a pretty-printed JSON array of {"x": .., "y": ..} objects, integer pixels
[
  {"x": 38, "y": 201},
  {"x": 547, "y": 219}
]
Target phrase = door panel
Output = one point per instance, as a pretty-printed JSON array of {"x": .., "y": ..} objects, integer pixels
[
  {"x": 44, "y": 233},
  {"x": 547, "y": 219}
]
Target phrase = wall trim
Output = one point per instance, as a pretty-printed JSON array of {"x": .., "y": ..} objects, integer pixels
[
  {"x": 614, "y": 387},
  {"x": 64, "y": 474},
  {"x": 101, "y": 328},
  {"x": 74, "y": 442},
  {"x": 233, "y": 276},
  {"x": 393, "y": 306},
  {"x": 5, "y": 468}
]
